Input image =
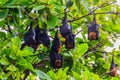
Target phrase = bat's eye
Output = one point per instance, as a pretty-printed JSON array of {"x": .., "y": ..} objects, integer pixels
[
  {"x": 92, "y": 35},
  {"x": 57, "y": 63}
]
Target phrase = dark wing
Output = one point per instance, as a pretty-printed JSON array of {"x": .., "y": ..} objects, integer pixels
[
  {"x": 56, "y": 43},
  {"x": 52, "y": 59},
  {"x": 29, "y": 35},
  {"x": 38, "y": 35},
  {"x": 45, "y": 40},
  {"x": 65, "y": 29}
]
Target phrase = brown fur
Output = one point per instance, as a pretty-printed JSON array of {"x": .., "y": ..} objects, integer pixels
[
  {"x": 59, "y": 49},
  {"x": 113, "y": 72},
  {"x": 70, "y": 44},
  {"x": 92, "y": 35},
  {"x": 57, "y": 63}
]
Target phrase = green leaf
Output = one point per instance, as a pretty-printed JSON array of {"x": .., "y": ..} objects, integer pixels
[
  {"x": 42, "y": 75},
  {"x": 3, "y": 13},
  {"x": 69, "y": 3},
  {"x": 84, "y": 3},
  {"x": 25, "y": 64},
  {"x": 77, "y": 2},
  {"x": 2, "y": 23},
  {"x": 34, "y": 15},
  {"x": 24, "y": 2},
  {"x": 95, "y": 2},
  {"x": 11, "y": 68},
  {"x": 59, "y": 75},
  {"x": 81, "y": 49},
  {"x": 3, "y": 76},
  {"x": 2, "y": 35},
  {"x": 14, "y": 51},
  {"x": 26, "y": 52},
  {"x": 37, "y": 7},
  {"x": 16, "y": 41},
  {"x": 2, "y": 2},
  {"x": 52, "y": 75},
  {"x": 4, "y": 61},
  {"x": 77, "y": 76},
  {"x": 115, "y": 78},
  {"x": 52, "y": 19},
  {"x": 10, "y": 2}
]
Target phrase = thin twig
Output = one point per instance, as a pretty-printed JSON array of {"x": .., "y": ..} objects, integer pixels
[
  {"x": 78, "y": 32},
  {"x": 101, "y": 6},
  {"x": 93, "y": 51},
  {"x": 107, "y": 13},
  {"x": 75, "y": 19},
  {"x": 93, "y": 14},
  {"x": 9, "y": 29}
]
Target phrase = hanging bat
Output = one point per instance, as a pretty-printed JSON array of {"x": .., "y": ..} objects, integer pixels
[
  {"x": 29, "y": 38},
  {"x": 113, "y": 67},
  {"x": 93, "y": 32},
  {"x": 56, "y": 60},
  {"x": 66, "y": 32}
]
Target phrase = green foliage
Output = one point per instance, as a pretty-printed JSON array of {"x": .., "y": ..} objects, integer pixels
[
  {"x": 88, "y": 61},
  {"x": 42, "y": 75},
  {"x": 3, "y": 13},
  {"x": 60, "y": 74}
]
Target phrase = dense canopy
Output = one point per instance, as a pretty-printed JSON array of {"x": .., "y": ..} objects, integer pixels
[{"x": 86, "y": 60}]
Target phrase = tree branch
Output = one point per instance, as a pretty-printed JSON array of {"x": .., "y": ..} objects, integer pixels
[
  {"x": 93, "y": 10},
  {"x": 92, "y": 14},
  {"x": 94, "y": 49}
]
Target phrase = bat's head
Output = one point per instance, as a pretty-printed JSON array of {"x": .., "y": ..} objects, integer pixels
[
  {"x": 58, "y": 63},
  {"x": 92, "y": 35},
  {"x": 70, "y": 41},
  {"x": 113, "y": 72}
]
